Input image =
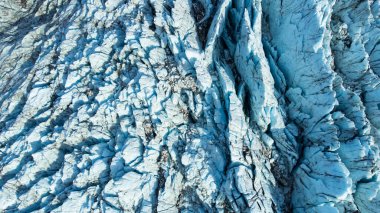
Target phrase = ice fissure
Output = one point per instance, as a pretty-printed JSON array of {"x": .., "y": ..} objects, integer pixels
[{"x": 189, "y": 106}]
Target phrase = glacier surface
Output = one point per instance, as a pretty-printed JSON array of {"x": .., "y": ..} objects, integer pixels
[{"x": 189, "y": 106}]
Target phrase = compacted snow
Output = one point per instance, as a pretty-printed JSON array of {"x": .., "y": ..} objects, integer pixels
[{"x": 189, "y": 106}]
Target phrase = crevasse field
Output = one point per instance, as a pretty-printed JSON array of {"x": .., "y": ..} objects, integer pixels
[{"x": 191, "y": 106}]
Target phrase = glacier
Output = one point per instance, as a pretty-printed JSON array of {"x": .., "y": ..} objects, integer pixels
[{"x": 189, "y": 106}]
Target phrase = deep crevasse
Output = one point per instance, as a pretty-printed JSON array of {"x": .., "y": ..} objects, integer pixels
[{"x": 189, "y": 106}]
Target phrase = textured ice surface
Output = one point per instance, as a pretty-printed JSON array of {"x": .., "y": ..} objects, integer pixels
[{"x": 189, "y": 106}]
